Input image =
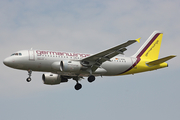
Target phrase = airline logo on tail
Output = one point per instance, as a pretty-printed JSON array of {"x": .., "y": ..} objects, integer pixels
[{"x": 150, "y": 49}]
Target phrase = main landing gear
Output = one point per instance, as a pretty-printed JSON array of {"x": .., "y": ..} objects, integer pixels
[
  {"x": 29, "y": 78},
  {"x": 78, "y": 86},
  {"x": 91, "y": 78}
]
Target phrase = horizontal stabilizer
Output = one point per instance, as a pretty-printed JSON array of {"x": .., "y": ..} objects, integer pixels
[{"x": 159, "y": 61}]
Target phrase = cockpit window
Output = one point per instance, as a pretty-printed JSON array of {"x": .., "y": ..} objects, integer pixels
[{"x": 17, "y": 54}]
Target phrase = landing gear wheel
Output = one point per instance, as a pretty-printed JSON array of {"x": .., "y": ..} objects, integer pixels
[
  {"x": 78, "y": 86},
  {"x": 91, "y": 78},
  {"x": 28, "y": 79}
]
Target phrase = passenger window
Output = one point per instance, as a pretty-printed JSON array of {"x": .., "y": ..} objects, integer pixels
[
  {"x": 20, "y": 53},
  {"x": 16, "y": 53}
]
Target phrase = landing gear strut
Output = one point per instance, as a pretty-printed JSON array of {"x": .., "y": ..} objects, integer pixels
[{"x": 29, "y": 78}]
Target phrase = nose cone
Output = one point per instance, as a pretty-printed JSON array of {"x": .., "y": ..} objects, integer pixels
[{"x": 7, "y": 62}]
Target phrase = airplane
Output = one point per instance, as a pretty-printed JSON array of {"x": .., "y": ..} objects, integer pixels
[{"x": 71, "y": 65}]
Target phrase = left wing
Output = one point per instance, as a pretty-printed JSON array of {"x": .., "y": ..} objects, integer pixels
[{"x": 94, "y": 61}]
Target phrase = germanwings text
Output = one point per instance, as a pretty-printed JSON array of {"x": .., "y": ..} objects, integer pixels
[{"x": 39, "y": 52}]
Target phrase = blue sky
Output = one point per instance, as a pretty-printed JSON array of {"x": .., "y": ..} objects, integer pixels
[{"x": 89, "y": 26}]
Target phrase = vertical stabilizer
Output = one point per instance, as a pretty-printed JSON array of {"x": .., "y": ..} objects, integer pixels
[{"x": 150, "y": 49}]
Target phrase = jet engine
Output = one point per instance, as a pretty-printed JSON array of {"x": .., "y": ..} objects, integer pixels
[
  {"x": 53, "y": 79},
  {"x": 70, "y": 66}
]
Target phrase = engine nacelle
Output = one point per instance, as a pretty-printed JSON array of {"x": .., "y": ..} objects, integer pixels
[
  {"x": 70, "y": 66},
  {"x": 53, "y": 79}
]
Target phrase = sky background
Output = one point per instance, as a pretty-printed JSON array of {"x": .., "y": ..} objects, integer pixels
[{"x": 89, "y": 26}]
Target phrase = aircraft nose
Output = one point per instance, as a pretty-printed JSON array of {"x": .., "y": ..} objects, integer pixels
[{"x": 7, "y": 62}]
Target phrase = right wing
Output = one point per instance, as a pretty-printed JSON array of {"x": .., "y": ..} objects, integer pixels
[{"x": 94, "y": 61}]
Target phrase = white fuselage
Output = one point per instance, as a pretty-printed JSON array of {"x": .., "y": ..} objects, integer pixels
[{"x": 49, "y": 61}]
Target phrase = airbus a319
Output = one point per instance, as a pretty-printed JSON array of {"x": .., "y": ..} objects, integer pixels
[{"x": 63, "y": 66}]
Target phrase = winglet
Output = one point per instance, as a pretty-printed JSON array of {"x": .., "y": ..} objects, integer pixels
[{"x": 138, "y": 40}]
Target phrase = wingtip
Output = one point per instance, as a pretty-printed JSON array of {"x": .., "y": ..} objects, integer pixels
[
  {"x": 138, "y": 40},
  {"x": 173, "y": 56}
]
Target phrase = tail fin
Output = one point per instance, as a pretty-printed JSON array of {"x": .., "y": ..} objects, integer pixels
[{"x": 150, "y": 49}]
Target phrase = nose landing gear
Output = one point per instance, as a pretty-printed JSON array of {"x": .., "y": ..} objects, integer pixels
[{"x": 29, "y": 78}]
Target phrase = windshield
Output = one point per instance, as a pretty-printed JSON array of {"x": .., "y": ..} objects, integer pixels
[{"x": 17, "y": 54}]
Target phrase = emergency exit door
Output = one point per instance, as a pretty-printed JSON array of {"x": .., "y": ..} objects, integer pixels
[{"x": 31, "y": 55}]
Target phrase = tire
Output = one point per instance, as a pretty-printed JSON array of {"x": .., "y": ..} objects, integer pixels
[
  {"x": 78, "y": 86},
  {"x": 91, "y": 78},
  {"x": 28, "y": 79}
]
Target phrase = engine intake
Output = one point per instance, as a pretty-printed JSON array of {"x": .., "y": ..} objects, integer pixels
[{"x": 53, "y": 79}]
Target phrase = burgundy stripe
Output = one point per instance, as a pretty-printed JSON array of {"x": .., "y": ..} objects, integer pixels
[
  {"x": 147, "y": 46},
  {"x": 142, "y": 52},
  {"x": 137, "y": 61}
]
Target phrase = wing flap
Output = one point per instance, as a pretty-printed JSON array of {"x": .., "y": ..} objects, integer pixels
[{"x": 159, "y": 61}]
